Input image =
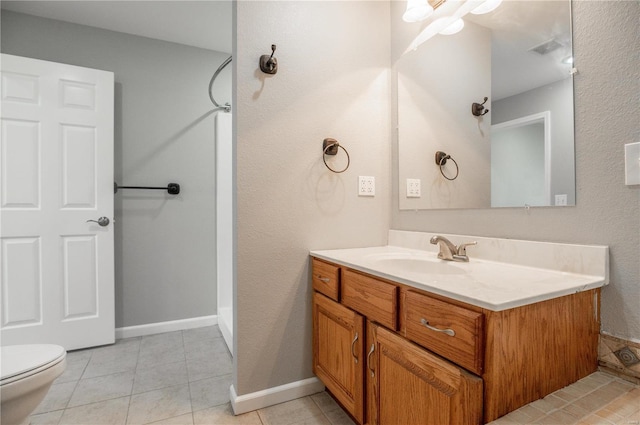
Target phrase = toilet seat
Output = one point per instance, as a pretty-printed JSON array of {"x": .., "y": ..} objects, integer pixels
[{"x": 21, "y": 361}]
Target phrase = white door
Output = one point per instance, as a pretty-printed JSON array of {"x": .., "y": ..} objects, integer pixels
[{"x": 57, "y": 278}]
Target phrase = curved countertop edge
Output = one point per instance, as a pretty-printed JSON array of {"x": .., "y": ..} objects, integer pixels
[{"x": 344, "y": 257}]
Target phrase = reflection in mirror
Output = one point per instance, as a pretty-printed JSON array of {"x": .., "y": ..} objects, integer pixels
[{"x": 519, "y": 149}]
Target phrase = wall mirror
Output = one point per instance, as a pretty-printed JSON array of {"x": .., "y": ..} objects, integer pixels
[{"x": 519, "y": 150}]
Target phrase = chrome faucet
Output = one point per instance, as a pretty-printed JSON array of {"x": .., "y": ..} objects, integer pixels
[{"x": 450, "y": 252}]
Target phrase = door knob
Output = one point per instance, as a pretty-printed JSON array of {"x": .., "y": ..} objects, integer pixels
[{"x": 102, "y": 221}]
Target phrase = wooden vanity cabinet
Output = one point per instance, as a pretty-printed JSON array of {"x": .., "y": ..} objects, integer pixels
[
  {"x": 452, "y": 331},
  {"x": 409, "y": 385},
  {"x": 338, "y": 341},
  {"x": 468, "y": 366},
  {"x": 325, "y": 278}
]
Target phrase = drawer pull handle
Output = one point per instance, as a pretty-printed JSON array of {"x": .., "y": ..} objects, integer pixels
[
  {"x": 373, "y": 348},
  {"x": 353, "y": 343},
  {"x": 449, "y": 332},
  {"x": 324, "y": 279}
]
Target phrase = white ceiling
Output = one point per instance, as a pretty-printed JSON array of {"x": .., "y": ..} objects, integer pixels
[{"x": 204, "y": 24}]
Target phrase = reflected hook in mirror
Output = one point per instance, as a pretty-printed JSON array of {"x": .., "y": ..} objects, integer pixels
[
  {"x": 441, "y": 160},
  {"x": 478, "y": 109}
]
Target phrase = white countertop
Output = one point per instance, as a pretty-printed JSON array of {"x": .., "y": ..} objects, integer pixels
[{"x": 484, "y": 283}]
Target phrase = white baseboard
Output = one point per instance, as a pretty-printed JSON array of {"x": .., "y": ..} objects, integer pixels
[
  {"x": 227, "y": 333},
  {"x": 160, "y": 327},
  {"x": 269, "y": 397}
]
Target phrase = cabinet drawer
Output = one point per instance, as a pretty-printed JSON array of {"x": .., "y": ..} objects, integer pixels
[
  {"x": 453, "y": 332},
  {"x": 326, "y": 278},
  {"x": 373, "y": 298}
]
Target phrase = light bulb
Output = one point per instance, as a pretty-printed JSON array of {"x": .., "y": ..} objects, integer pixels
[
  {"x": 486, "y": 7},
  {"x": 417, "y": 10}
]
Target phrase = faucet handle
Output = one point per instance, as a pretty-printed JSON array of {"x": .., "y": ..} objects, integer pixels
[{"x": 462, "y": 248}]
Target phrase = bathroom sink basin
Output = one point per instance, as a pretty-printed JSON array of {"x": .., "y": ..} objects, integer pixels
[{"x": 399, "y": 262}]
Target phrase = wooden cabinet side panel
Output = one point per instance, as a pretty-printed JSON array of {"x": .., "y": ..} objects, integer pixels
[
  {"x": 534, "y": 350},
  {"x": 334, "y": 330}
]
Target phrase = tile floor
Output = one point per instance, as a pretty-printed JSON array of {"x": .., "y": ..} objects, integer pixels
[
  {"x": 598, "y": 399},
  {"x": 175, "y": 378},
  {"x": 183, "y": 378}
]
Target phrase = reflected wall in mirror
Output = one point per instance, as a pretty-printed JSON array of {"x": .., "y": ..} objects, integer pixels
[{"x": 521, "y": 152}]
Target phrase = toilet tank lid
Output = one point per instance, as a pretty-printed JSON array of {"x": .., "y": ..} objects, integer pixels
[{"x": 19, "y": 359}]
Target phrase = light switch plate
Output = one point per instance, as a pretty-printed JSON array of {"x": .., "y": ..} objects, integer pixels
[
  {"x": 632, "y": 164},
  {"x": 366, "y": 186}
]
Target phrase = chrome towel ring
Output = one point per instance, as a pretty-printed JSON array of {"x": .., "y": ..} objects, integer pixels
[
  {"x": 441, "y": 159},
  {"x": 330, "y": 147}
]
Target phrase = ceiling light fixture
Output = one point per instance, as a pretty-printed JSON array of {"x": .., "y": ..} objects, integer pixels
[
  {"x": 486, "y": 7},
  {"x": 417, "y": 10},
  {"x": 453, "y": 28}
]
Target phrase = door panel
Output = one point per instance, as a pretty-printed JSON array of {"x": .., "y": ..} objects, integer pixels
[
  {"x": 80, "y": 283},
  {"x": 57, "y": 173},
  {"x": 20, "y": 164},
  {"x": 79, "y": 167},
  {"x": 21, "y": 282}
]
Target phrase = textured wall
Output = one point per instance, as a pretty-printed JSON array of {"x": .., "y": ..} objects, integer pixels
[
  {"x": 164, "y": 131},
  {"x": 332, "y": 82},
  {"x": 607, "y": 116}
]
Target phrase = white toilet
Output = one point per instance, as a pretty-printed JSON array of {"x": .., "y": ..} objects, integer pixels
[{"x": 27, "y": 373}]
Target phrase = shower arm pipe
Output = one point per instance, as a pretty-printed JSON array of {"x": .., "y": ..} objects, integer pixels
[{"x": 227, "y": 107}]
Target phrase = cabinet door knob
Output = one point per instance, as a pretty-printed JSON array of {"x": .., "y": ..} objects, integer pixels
[
  {"x": 373, "y": 348},
  {"x": 449, "y": 332},
  {"x": 324, "y": 279},
  {"x": 353, "y": 343}
]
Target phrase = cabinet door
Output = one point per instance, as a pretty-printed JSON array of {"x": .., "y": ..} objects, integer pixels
[
  {"x": 414, "y": 386},
  {"x": 338, "y": 346}
]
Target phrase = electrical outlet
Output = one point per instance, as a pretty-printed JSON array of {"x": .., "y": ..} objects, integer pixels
[
  {"x": 561, "y": 200},
  {"x": 632, "y": 164},
  {"x": 413, "y": 188},
  {"x": 366, "y": 186}
]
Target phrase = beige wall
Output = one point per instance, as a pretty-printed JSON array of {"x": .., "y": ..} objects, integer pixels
[
  {"x": 607, "y": 116},
  {"x": 332, "y": 82}
]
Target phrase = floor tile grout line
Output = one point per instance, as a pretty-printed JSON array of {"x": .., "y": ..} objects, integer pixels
[
  {"x": 190, "y": 401},
  {"x": 126, "y": 417},
  {"x": 324, "y": 413},
  {"x": 259, "y": 416},
  {"x": 75, "y": 387}
]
